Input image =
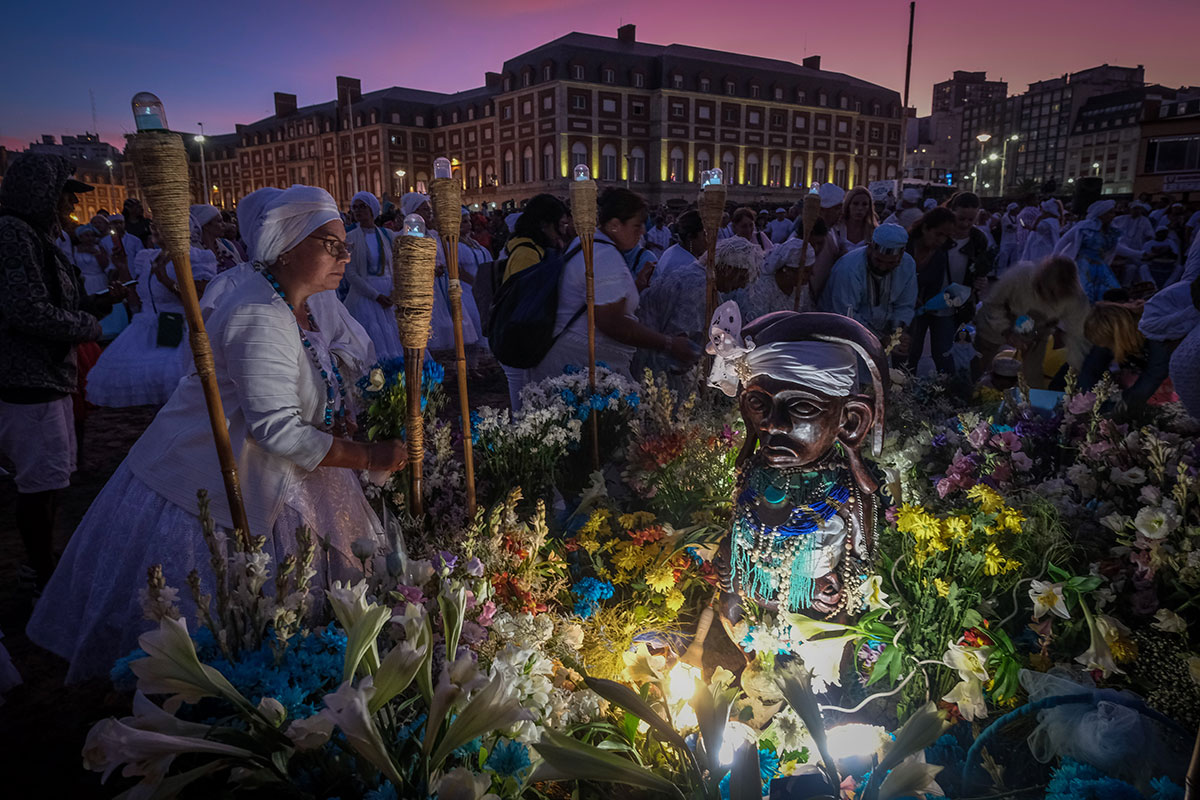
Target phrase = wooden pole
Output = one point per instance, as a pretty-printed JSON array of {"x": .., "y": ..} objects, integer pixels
[
  {"x": 583, "y": 211},
  {"x": 809, "y": 212},
  {"x": 711, "y": 204},
  {"x": 446, "y": 197},
  {"x": 414, "y": 261},
  {"x": 160, "y": 161}
]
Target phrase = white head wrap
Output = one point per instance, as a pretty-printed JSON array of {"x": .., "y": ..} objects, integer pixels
[
  {"x": 1139, "y": 204},
  {"x": 740, "y": 254},
  {"x": 1011, "y": 207},
  {"x": 199, "y": 216},
  {"x": 929, "y": 204},
  {"x": 785, "y": 255},
  {"x": 371, "y": 200},
  {"x": 510, "y": 221},
  {"x": 411, "y": 202},
  {"x": 1051, "y": 207},
  {"x": 274, "y": 221},
  {"x": 828, "y": 368},
  {"x": 911, "y": 195},
  {"x": 831, "y": 195},
  {"x": 1100, "y": 208}
]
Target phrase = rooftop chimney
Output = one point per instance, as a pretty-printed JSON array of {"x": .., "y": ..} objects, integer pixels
[
  {"x": 812, "y": 62},
  {"x": 285, "y": 104},
  {"x": 349, "y": 90},
  {"x": 625, "y": 33}
]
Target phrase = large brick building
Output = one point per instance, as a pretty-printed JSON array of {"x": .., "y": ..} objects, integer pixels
[{"x": 648, "y": 116}]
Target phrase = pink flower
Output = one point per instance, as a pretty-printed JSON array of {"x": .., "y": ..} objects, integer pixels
[
  {"x": 1081, "y": 403},
  {"x": 1096, "y": 450},
  {"x": 944, "y": 487},
  {"x": 412, "y": 594},
  {"x": 1002, "y": 473},
  {"x": 978, "y": 437},
  {"x": 1012, "y": 442},
  {"x": 1022, "y": 462},
  {"x": 486, "y": 612}
]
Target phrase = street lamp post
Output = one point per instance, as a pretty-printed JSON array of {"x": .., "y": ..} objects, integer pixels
[
  {"x": 1004, "y": 160},
  {"x": 400, "y": 174},
  {"x": 1096, "y": 167},
  {"x": 203, "y": 167}
]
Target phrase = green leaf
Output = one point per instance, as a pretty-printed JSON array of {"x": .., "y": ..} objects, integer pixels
[
  {"x": 171, "y": 786},
  {"x": 567, "y": 759},
  {"x": 746, "y": 781},
  {"x": 1059, "y": 575},
  {"x": 453, "y": 606},
  {"x": 796, "y": 684},
  {"x": 971, "y": 618},
  {"x": 883, "y": 665},
  {"x": 621, "y": 695},
  {"x": 1084, "y": 585}
]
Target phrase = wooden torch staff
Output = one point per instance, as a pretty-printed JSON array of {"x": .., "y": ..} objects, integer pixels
[
  {"x": 414, "y": 259},
  {"x": 810, "y": 212},
  {"x": 711, "y": 204},
  {"x": 162, "y": 169},
  {"x": 583, "y": 211},
  {"x": 446, "y": 197}
]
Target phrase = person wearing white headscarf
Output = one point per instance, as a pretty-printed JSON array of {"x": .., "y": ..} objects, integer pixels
[
  {"x": 677, "y": 305},
  {"x": 282, "y": 362},
  {"x": 909, "y": 210},
  {"x": 784, "y": 274},
  {"x": 441, "y": 338},
  {"x": 207, "y": 228},
  {"x": 1092, "y": 244},
  {"x": 1135, "y": 227},
  {"x": 472, "y": 256},
  {"x": 1010, "y": 249},
  {"x": 369, "y": 275},
  {"x": 1046, "y": 232},
  {"x": 122, "y": 247}
]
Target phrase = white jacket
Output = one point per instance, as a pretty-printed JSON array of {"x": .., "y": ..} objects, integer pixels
[{"x": 273, "y": 399}]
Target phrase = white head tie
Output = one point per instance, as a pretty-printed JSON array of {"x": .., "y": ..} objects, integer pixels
[
  {"x": 823, "y": 366},
  {"x": 286, "y": 218}
]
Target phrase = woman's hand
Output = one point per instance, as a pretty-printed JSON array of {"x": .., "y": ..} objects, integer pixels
[
  {"x": 683, "y": 350},
  {"x": 391, "y": 455},
  {"x": 384, "y": 301},
  {"x": 644, "y": 275}
]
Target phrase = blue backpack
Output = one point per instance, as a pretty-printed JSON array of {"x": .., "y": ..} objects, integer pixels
[{"x": 525, "y": 310}]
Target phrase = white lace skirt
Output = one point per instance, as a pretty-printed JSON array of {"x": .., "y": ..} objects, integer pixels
[
  {"x": 135, "y": 371},
  {"x": 378, "y": 322},
  {"x": 91, "y": 613}
]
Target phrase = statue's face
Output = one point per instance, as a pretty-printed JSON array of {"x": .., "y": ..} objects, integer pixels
[{"x": 796, "y": 425}]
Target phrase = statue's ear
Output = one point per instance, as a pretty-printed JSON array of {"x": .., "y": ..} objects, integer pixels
[{"x": 858, "y": 414}]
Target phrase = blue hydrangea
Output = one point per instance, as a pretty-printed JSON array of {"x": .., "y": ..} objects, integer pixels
[
  {"x": 588, "y": 594},
  {"x": 432, "y": 374},
  {"x": 386, "y": 791},
  {"x": 508, "y": 758},
  {"x": 1076, "y": 781},
  {"x": 1166, "y": 789}
]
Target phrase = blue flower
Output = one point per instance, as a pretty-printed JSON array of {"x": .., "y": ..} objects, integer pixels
[
  {"x": 386, "y": 791},
  {"x": 508, "y": 758},
  {"x": 1166, "y": 789},
  {"x": 1076, "y": 781},
  {"x": 588, "y": 593}
]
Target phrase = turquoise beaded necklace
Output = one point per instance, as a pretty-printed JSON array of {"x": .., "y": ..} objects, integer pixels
[{"x": 334, "y": 388}]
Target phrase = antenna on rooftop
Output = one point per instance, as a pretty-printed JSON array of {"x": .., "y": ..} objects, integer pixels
[{"x": 95, "y": 125}]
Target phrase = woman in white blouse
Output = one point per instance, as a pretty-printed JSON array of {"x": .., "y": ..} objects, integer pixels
[
  {"x": 621, "y": 217},
  {"x": 286, "y": 355}
]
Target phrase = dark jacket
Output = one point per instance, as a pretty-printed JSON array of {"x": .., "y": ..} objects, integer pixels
[
  {"x": 933, "y": 277},
  {"x": 43, "y": 306}
]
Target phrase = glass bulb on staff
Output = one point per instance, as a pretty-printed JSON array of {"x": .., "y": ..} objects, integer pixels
[
  {"x": 582, "y": 173},
  {"x": 441, "y": 168},
  {"x": 715, "y": 177},
  {"x": 414, "y": 225}
]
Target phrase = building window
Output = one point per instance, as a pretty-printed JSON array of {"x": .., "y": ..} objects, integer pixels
[
  {"x": 578, "y": 102},
  {"x": 676, "y": 81},
  {"x": 526, "y": 79},
  {"x": 801, "y": 96},
  {"x": 527, "y": 108},
  {"x": 677, "y": 110},
  {"x": 1172, "y": 154},
  {"x": 705, "y": 85},
  {"x": 704, "y": 112},
  {"x": 777, "y": 120},
  {"x": 676, "y": 174},
  {"x": 775, "y": 172},
  {"x": 754, "y": 118},
  {"x": 822, "y": 125},
  {"x": 730, "y": 88},
  {"x": 727, "y": 166},
  {"x": 798, "y": 176},
  {"x": 637, "y": 108},
  {"x": 639, "y": 80},
  {"x": 891, "y": 173},
  {"x": 508, "y": 168},
  {"x": 753, "y": 170},
  {"x": 755, "y": 91},
  {"x": 844, "y": 102},
  {"x": 608, "y": 163},
  {"x": 819, "y": 173},
  {"x": 703, "y": 161},
  {"x": 527, "y": 165},
  {"x": 842, "y": 127},
  {"x": 608, "y": 105},
  {"x": 548, "y": 162},
  {"x": 547, "y": 72},
  {"x": 609, "y": 76},
  {"x": 506, "y": 112},
  {"x": 822, "y": 99},
  {"x": 875, "y": 109},
  {"x": 473, "y": 178},
  {"x": 579, "y": 154},
  {"x": 577, "y": 72},
  {"x": 420, "y": 121},
  {"x": 801, "y": 122},
  {"x": 778, "y": 94},
  {"x": 547, "y": 102},
  {"x": 637, "y": 165},
  {"x": 507, "y": 84},
  {"x": 731, "y": 115},
  {"x": 839, "y": 173}
]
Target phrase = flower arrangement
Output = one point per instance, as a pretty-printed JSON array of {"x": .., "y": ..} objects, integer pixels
[{"x": 384, "y": 392}]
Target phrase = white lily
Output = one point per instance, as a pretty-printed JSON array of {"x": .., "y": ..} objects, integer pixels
[
  {"x": 968, "y": 694},
  {"x": 871, "y": 593},
  {"x": 397, "y": 671},
  {"x": 1048, "y": 598},
  {"x": 310, "y": 733},
  {"x": 911, "y": 778},
  {"x": 461, "y": 784},
  {"x": 1099, "y": 655},
  {"x": 172, "y": 667},
  {"x": 969, "y": 662},
  {"x": 146, "y": 751},
  {"x": 823, "y": 658},
  {"x": 375, "y": 380},
  {"x": 272, "y": 711},
  {"x": 347, "y": 708},
  {"x": 349, "y": 602}
]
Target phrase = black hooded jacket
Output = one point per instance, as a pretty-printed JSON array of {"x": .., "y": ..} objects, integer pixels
[{"x": 43, "y": 306}]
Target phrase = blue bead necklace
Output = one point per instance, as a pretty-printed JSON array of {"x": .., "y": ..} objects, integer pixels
[{"x": 335, "y": 388}]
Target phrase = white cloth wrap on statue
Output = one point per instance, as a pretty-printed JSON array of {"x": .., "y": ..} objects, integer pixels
[
  {"x": 279, "y": 219},
  {"x": 830, "y": 369}
]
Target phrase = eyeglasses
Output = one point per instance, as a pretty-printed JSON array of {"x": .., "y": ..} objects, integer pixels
[{"x": 333, "y": 245}]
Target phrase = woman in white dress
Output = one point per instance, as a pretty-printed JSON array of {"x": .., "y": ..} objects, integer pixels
[
  {"x": 1045, "y": 234},
  {"x": 783, "y": 276},
  {"x": 441, "y": 338},
  {"x": 92, "y": 260},
  {"x": 622, "y": 222},
  {"x": 141, "y": 367},
  {"x": 471, "y": 257},
  {"x": 285, "y": 351},
  {"x": 369, "y": 274}
]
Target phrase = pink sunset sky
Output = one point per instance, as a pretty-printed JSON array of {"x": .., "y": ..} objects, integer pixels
[{"x": 219, "y": 62}]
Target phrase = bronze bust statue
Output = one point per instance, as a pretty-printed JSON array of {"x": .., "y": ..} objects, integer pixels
[{"x": 805, "y": 511}]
